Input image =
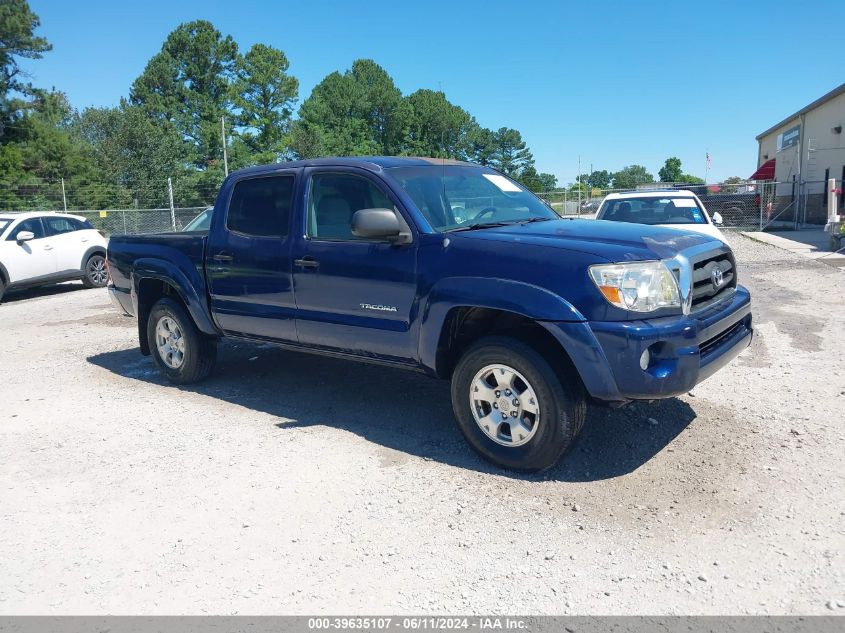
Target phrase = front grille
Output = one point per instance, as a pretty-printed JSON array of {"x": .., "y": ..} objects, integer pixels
[{"x": 704, "y": 291}]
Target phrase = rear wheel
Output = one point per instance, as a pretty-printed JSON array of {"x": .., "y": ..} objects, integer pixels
[
  {"x": 96, "y": 273},
  {"x": 513, "y": 408},
  {"x": 183, "y": 354}
]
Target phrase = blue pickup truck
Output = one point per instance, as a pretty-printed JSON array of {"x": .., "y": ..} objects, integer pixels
[{"x": 447, "y": 268}]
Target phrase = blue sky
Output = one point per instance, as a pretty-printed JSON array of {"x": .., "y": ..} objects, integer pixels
[{"x": 616, "y": 82}]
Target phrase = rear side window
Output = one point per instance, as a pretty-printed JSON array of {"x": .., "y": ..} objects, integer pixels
[
  {"x": 34, "y": 226},
  {"x": 261, "y": 206},
  {"x": 57, "y": 226}
]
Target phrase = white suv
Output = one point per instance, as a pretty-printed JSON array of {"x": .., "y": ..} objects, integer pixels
[
  {"x": 673, "y": 208},
  {"x": 46, "y": 248}
]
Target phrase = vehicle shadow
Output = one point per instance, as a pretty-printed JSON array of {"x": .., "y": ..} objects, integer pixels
[
  {"x": 13, "y": 295},
  {"x": 404, "y": 411}
]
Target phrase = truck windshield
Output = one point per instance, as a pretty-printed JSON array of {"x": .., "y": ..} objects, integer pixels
[
  {"x": 652, "y": 210},
  {"x": 455, "y": 196}
]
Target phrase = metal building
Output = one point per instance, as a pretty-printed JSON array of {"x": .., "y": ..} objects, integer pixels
[{"x": 800, "y": 154}]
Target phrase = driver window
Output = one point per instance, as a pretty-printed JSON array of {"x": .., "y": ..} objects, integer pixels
[
  {"x": 34, "y": 226},
  {"x": 334, "y": 200}
]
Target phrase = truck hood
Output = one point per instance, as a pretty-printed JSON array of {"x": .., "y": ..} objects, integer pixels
[{"x": 612, "y": 241}]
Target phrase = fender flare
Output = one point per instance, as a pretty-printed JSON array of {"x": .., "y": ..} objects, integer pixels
[
  {"x": 186, "y": 289},
  {"x": 91, "y": 251},
  {"x": 530, "y": 301}
]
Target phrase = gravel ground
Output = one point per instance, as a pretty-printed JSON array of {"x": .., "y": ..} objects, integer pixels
[{"x": 295, "y": 484}]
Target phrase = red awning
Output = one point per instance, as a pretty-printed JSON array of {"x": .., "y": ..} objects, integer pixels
[{"x": 766, "y": 171}]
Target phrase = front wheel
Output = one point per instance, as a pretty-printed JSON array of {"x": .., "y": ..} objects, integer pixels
[
  {"x": 513, "y": 408},
  {"x": 183, "y": 354},
  {"x": 96, "y": 273}
]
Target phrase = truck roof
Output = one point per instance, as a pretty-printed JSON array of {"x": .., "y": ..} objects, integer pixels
[{"x": 373, "y": 163}]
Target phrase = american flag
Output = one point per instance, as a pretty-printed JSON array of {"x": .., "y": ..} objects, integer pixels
[{"x": 707, "y": 154}]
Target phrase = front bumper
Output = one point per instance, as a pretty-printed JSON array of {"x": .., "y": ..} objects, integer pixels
[{"x": 683, "y": 350}]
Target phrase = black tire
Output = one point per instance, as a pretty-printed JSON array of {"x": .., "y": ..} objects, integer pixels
[
  {"x": 2, "y": 288},
  {"x": 199, "y": 352},
  {"x": 560, "y": 396},
  {"x": 96, "y": 274}
]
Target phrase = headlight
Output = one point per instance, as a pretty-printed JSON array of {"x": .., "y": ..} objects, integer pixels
[{"x": 637, "y": 286}]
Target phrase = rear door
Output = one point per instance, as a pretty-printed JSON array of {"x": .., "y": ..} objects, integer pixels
[
  {"x": 30, "y": 260},
  {"x": 70, "y": 241},
  {"x": 352, "y": 295},
  {"x": 248, "y": 263}
]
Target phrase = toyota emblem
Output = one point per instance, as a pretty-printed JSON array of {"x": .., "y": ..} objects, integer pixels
[{"x": 717, "y": 277}]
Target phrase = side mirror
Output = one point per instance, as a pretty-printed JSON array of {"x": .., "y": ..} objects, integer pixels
[
  {"x": 717, "y": 218},
  {"x": 378, "y": 224},
  {"x": 24, "y": 236}
]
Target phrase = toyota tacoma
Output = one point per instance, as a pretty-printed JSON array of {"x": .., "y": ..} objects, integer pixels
[{"x": 447, "y": 268}]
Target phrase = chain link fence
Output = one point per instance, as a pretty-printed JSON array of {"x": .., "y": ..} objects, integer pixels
[
  {"x": 114, "y": 209},
  {"x": 169, "y": 206},
  {"x": 139, "y": 221}
]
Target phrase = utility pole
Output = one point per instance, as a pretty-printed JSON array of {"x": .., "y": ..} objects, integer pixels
[
  {"x": 64, "y": 198},
  {"x": 172, "y": 208},
  {"x": 223, "y": 136},
  {"x": 578, "y": 179}
]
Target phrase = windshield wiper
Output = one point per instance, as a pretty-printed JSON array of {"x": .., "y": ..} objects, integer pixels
[
  {"x": 479, "y": 225},
  {"x": 537, "y": 219}
]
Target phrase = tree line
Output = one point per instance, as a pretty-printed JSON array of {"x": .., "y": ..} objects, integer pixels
[{"x": 169, "y": 124}]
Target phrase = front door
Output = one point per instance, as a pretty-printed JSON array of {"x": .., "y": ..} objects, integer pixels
[
  {"x": 353, "y": 295},
  {"x": 248, "y": 259},
  {"x": 32, "y": 260}
]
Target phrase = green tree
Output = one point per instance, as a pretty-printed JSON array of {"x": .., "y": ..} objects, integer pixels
[
  {"x": 481, "y": 144},
  {"x": 41, "y": 151},
  {"x": 671, "y": 170},
  {"x": 17, "y": 40},
  {"x": 511, "y": 155},
  {"x": 548, "y": 182},
  {"x": 731, "y": 184},
  {"x": 265, "y": 95},
  {"x": 689, "y": 179},
  {"x": 598, "y": 179},
  {"x": 358, "y": 112},
  {"x": 631, "y": 176},
  {"x": 435, "y": 126},
  {"x": 132, "y": 153},
  {"x": 189, "y": 84},
  {"x": 536, "y": 182}
]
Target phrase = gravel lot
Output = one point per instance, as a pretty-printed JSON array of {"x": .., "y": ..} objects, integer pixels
[{"x": 290, "y": 483}]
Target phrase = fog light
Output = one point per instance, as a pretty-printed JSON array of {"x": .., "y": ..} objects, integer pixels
[{"x": 645, "y": 359}]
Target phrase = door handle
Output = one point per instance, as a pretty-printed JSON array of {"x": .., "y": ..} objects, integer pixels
[
  {"x": 306, "y": 262},
  {"x": 222, "y": 257},
  {"x": 48, "y": 248}
]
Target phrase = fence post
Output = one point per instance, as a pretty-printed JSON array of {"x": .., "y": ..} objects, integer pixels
[
  {"x": 172, "y": 208},
  {"x": 64, "y": 198},
  {"x": 123, "y": 213}
]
